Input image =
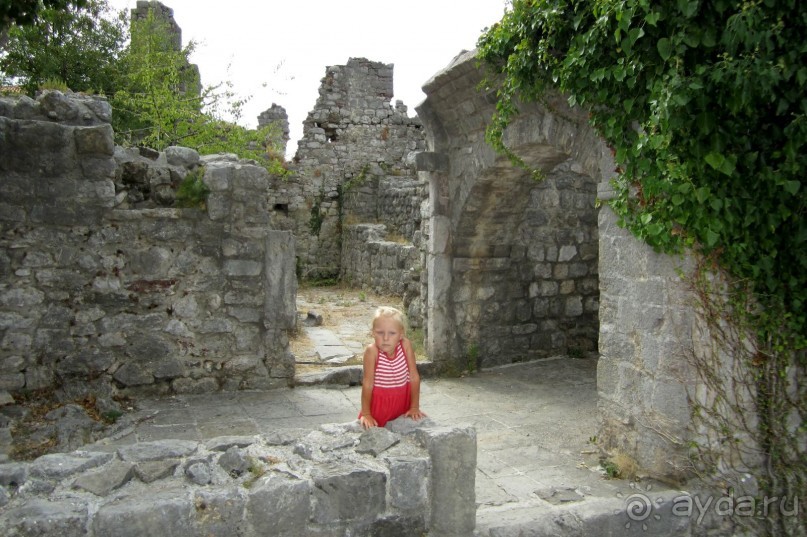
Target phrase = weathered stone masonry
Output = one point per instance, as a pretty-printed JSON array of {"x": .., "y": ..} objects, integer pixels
[
  {"x": 336, "y": 480},
  {"x": 156, "y": 299},
  {"x": 511, "y": 262},
  {"x": 522, "y": 268},
  {"x": 352, "y": 163}
]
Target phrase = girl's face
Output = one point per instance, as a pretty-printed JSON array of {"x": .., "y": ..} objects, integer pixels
[{"x": 387, "y": 333}]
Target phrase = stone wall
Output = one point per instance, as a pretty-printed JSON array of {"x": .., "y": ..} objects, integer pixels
[
  {"x": 648, "y": 327},
  {"x": 519, "y": 268},
  {"x": 98, "y": 285},
  {"x": 369, "y": 261},
  {"x": 336, "y": 480},
  {"x": 511, "y": 262},
  {"x": 354, "y": 150}
]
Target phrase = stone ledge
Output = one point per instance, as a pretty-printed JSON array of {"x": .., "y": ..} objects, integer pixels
[{"x": 249, "y": 486}]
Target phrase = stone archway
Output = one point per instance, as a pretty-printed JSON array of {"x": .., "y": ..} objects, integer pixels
[
  {"x": 512, "y": 263},
  {"x": 517, "y": 269}
]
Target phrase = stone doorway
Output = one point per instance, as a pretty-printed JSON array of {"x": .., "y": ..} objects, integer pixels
[{"x": 512, "y": 262}]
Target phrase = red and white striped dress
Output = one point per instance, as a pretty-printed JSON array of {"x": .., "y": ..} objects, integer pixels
[{"x": 391, "y": 395}]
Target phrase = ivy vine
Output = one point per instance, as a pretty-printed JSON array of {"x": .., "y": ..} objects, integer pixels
[{"x": 703, "y": 104}]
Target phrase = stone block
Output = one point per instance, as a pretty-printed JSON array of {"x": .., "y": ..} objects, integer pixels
[
  {"x": 41, "y": 518},
  {"x": 183, "y": 157},
  {"x": 61, "y": 465},
  {"x": 199, "y": 472},
  {"x": 164, "y": 513},
  {"x": 234, "y": 461},
  {"x": 219, "y": 513},
  {"x": 96, "y": 140},
  {"x": 279, "y": 506},
  {"x": 409, "y": 483},
  {"x": 376, "y": 440},
  {"x": 224, "y": 443},
  {"x": 103, "y": 481},
  {"x": 150, "y": 471},
  {"x": 242, "y": 267},
  {"x": 347, "y": 493},
  {"x": 280, "y": 308},
  {"x": 85, "y": 362},
  {"x": 158, "y": 450},
  {"x": 132, "y": 374},
  {"x": 191, "y": 386},
  {"x": 219, "y": 206},
  {"x": 394, "y": 526},
  {"x": 217, "y": 176},
  {"x": 453, "y": 476}
]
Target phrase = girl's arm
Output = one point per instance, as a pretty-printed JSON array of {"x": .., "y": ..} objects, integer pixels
[
  {"x": 368, "y": 378},
  {"x": 414, "y": 411}
]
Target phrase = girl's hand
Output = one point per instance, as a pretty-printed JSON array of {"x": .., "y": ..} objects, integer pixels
[
  {"x": 415, "y": 413},
  {"x": 368, "y": 421}
]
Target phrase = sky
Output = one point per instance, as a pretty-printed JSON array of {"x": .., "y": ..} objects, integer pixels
[{"x": 277, "y": 51}]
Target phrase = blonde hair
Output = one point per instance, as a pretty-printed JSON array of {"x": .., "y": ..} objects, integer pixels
[{"x": 388, "y": 312}]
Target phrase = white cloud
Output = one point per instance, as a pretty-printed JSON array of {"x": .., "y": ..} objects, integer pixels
[{"x": 277, "y": 52}]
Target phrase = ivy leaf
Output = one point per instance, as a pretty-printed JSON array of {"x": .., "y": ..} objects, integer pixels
[
  {"x": 711, "y": 238},
  {"x": 792, "y": 187},
  {"x": 687, "y": 7},
  {"x": 664, "y": 48},
  {"x": 652, "y": 18},
  {"x": 720, "y": 163}
]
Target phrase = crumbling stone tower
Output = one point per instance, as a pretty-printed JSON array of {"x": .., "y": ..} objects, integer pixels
[
  {"x": 276, "y": 115},
  {"x": 166, "y": 15},
  {"x": 352, "y": 162}
]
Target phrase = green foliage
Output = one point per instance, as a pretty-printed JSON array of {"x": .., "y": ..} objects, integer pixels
[
  {"x": 54, "y": 84},
  {"x": 356, "y": 180},
  {"x": 80, "y": 46},
  {"x": 155, "y": 92},
  {"x": 161, "y": 102},
  {"x": 26, "y": 12},
  {"x": 472, "y": 357},
  {"x": 157, "y": 103},
  {"x": 703, "y": 105},
  {"x": 192, "y": 191},
  {"x": 317, "y": 218}
]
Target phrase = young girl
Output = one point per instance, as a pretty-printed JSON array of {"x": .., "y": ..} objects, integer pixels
[{"x": 391, "y": 384}]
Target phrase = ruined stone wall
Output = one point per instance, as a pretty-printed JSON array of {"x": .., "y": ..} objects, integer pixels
[
  {"x": 354, "y": 150},
  {"x": 648, "y": 328},
  {"x": 566, "y": 276},
  {"x": 96, "y": 289},
  {"x": 512, "y": 262},
  {"x": 384, "y": 267},
  {"x": 277, "y": 116},
  {"x": 333, "y": 481}
]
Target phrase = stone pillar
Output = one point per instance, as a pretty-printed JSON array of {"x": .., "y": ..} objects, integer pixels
[
  {"x": 453, "y": 480},
  {"x": 440, "y": 333},
  {"x": 280, "y": 309}
]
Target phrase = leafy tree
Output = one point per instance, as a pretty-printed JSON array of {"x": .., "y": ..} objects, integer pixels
[
  {"x": 79, "y": 46},
  {"x": 161, "y": 102},
  {"x": 156, "y": 103},
  {"x": 25, "y": 12}
]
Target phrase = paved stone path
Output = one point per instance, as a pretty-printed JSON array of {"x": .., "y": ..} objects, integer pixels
[{"x": 533, "y": 423}]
